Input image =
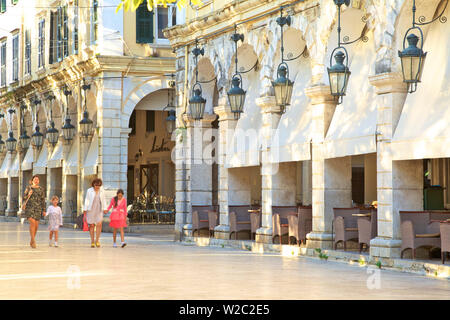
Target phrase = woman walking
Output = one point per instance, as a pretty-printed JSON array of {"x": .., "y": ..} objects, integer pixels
[
  {"x": 34, "y": 207},
  {"x": 118, "y": 216},
  {"x": 94, "y": 208}
]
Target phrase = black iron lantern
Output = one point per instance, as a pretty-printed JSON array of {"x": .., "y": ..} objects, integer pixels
[
  {"x": 2, "y": 145},
  {"x": 338, "y": 75},
  {"x": 170, "y": 121},
  {"x": 24, "y": 139},
  {"x": 86, "y": 124},
  {"x": 37, "y": 138},
  {"x": 11, "y": 142},
  {"x": 283, "y": 86},
  {"x": 197, "y": 102},
  {"x": 236, "y": 95},
  {"x": 52, "y": 134},
  {"x": 413, "y": 59},
  {"x": 68, "y": 130}
]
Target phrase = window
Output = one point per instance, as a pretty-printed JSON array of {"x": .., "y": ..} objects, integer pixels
[
  {"x": 94, "y": 21},
  {"x": 41, "y": 43},
  {"x": 2, "y": 6},
  {"x": 150, "y": 120},
  {"x": 75, "y": 28},
  {"x": 52, "y": 47},
  {"x": 165, "y": 18},
  {"x": 65, "y": 31},
  {"x": 14, "y": 1},
  {"x": 27, "y": 51},
  {"x": 132, "y": 124},
  {"x": 59, "y": 40},
  {"x": 144, "y": 24},
  {"x": 15, "y": 58},
  {"x": 3, "y": 63}
]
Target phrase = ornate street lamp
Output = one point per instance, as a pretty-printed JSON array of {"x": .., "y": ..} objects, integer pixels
[
  {"x": 52, "y": 134},
  {"x": 283, "y": 85},
  {"x": 2, "y": 143},
  {"x": 412, "y": 57},
  {"x": 197, "y": 102},
  {"x": 24, "y": 139},
  {"x": 86, "y": 124},
  {"x": 37, "y": 138},
  {"x": 68, "y": 129},
  {"x": 339, "y": 73},
  {"x": 171, "y": 118},
  {"x": 236, "y": 95},
  {"x": 11, "y": 142}
]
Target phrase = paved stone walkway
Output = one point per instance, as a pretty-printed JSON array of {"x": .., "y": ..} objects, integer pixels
[{"x": 154, "y": 267}]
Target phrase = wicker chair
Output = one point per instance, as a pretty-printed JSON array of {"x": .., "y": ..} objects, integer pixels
[
  {"x": 417, "y": 231},
  {"x": 280, "y": 223},
  {"x": 367, "y": 229},
  {"x": 204, "y": 217},
  {"x": 345, "y": 225},
  {"x": 300, "y": 225},
  {"x": 445, "y": 239},
  {"x": 255, "y": 221},
  {"x": 239, "y": 220}
]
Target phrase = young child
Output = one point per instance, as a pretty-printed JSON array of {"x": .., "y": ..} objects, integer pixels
[
  {"x": 118, "y": 216},
  {"x": 54, "y": 214}
]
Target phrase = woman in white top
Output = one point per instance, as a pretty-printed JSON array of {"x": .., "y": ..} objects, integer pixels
[{"x": 94, "y": 208}]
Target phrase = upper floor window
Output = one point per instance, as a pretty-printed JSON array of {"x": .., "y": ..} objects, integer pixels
[
  {"x": 3, "y": 63},
  {"x": 150, "y": 120},
  {"x": 94, "y": 21},
  {"x": 59, "y": 35},
  {"x": 75, "y": 27},
  {"x": 27, "y": 51},
  {"x": 15, "y": 58},
  {"x": 165, "y": 18},
  {"x": 150, "y": 24},
  {"x": 41, "y": 43}
]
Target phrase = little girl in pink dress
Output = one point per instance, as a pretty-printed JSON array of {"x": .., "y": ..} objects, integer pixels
[
  {"x": 118, "y": 216},
  {"x": 54, "y": 214}
]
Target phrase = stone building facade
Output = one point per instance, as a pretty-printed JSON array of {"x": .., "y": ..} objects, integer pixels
[
  {"x": 376, "y": 146},
  {"x": 51, "y": 45}
]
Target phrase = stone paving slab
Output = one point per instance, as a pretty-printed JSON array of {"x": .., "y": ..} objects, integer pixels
[{"x": 156, "y": 267}]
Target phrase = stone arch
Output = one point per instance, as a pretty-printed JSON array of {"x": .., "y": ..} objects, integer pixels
[
  {"x": 41, "y": 119},
  {"x": 28, "y": 121},
  {"x": 208, "y": 81},
  {"x": 3, "y": 128},
  {"x": 138, "y": 93}
]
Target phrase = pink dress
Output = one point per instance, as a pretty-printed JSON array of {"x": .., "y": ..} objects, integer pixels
[{"x": 118, "y": 216}]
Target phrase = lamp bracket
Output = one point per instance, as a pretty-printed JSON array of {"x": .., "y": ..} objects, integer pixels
[
  {"x": 237, "y": 36},
  {"x": 363, "y": 37},
  {"x": 197, "y": 51},
  {"x": 284, "y": 20},
  {"x": 304, "y": 53},
  {"x": 341, "y": 2},
  {"x": 86, "y": 87},
  {"x": 440, "y": 17}
]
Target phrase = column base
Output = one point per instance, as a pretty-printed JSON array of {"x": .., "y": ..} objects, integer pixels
[
  {"x": 11, "y": 213},
  {"x": 187, "y": 230},
  {"x": 385, "y": 248},
  {"x": 319, "y": 240},
  {"x": 264, "y": 235},
  {"x": 222, "y": 231}
]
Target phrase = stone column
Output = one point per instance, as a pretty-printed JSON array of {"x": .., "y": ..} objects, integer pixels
[
  {"x": 111, "y": 169},
  {"x": 227, "y": 124},
  {"x": 392, "y": 178},
  {"x": 329, "y": 177},
  {"x": 67, "y": 187},
  {"x": 198, "y": 164},
  {"x": 51, "y": 178},
  {"x": 12, "y": 189},
  {"x": 271, "y": 117},
  {"x": 306, "y": 182}
]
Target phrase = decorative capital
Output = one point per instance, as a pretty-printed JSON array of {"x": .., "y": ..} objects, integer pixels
[
  {"x": 224, "y": 113},
  {"x": 268, "y": 104},
  {"x": 389, "y": 82},
  {"x": 204, "y": 123},
  {"x": 320, "y": 94}
]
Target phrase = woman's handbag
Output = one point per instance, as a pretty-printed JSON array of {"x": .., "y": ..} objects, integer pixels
[
  {"x": 24, "y": 205},
  {"x": 85, "y": 224}
]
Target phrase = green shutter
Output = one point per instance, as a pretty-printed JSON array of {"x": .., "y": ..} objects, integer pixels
[
  {"x": 13, "y": 1},
  {"x": 2, "y": 5},
  {"x": 144, "y": 24}
]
